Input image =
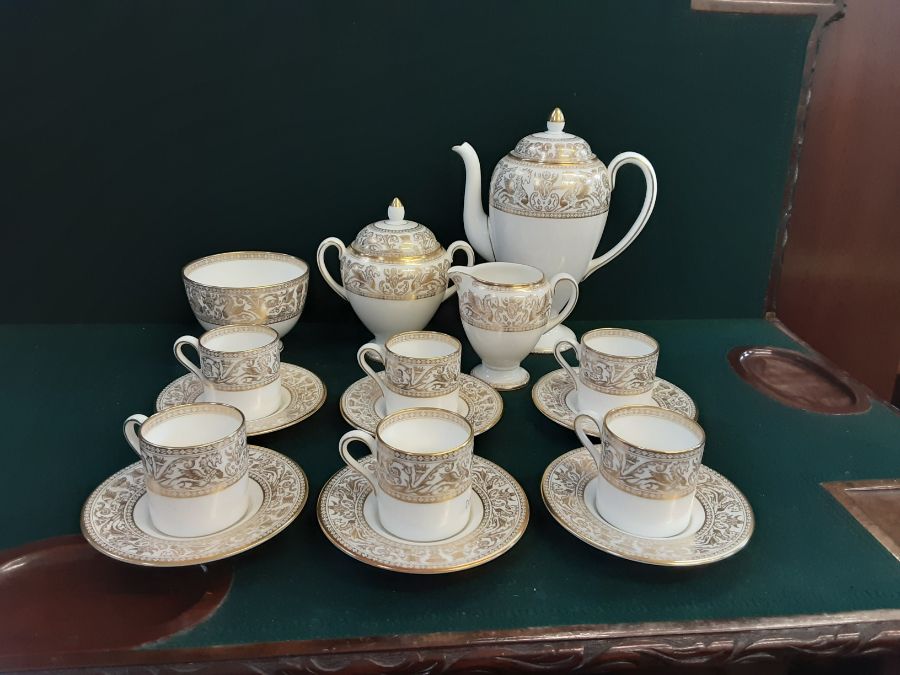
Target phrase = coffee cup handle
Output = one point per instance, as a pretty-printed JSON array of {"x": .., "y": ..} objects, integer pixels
[
  {"x": 558, "y": 353},
  {"x": 131, "y": 435},
  {"x": 375, "y": 351},
  {"x": 588, "y": 444},
  {"x": 343, "y": 448},
  {"x": 184, "y": 360},
  {"x": 570, "y": 305}
]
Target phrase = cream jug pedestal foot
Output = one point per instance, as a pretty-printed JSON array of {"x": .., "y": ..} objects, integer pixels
[
  {"x": 502, "y": 380},
  {"x": 549, "y": 339}
]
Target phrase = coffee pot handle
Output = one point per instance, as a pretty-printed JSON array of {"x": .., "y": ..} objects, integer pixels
[
  {"x": 649, "y": 201},
  {"x": 588, "y": 444},
  {"x": 558, "y": 350},
  {"x": 184, "y": 360},
  {"x": 343, "y": 448},
  {"x": 320, "y": 259},
  {"x": 570, "y": 305},
  {"x": 470, "y": 260},
  {"x": 131, "y": 435},
  {"x": 370, "y": 348}
]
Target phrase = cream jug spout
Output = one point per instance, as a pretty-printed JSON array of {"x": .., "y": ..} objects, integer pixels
[
  {"x": 460, "y": 275},
  {"x": 474, "y": 217}
]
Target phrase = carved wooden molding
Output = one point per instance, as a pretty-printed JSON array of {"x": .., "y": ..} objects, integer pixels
[{"x": 606, "y": 648}]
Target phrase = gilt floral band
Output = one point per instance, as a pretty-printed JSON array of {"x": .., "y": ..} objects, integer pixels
[
  {"x": 422, "y": 377},
  {"x": 620, "y": 375},
  {"x": 193, "y": 471},
  {"x": 240, "y": 370},
  {"x": 505, "y": 312},
  {"x": 652, "y": 474},
  {"x": 424, "y": 478}
]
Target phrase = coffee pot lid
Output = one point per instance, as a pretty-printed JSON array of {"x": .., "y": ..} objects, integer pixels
[
  {"x": 554, "y": 146},
  {"x": 396, "y": 238}
]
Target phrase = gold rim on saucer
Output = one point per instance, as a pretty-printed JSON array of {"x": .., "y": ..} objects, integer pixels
[
  {"x": 726, "y": 527},
  {"x": 341, "y": 511},
  {"x": 549, "y": 395},
  {"x": 304, "y": 391},
  {"x": 358, "y": 404},
  {"x": 113, "y": 520}
]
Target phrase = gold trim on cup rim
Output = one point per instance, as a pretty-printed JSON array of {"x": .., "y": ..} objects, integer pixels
[
  {"x": 623, "y": 332},
  {"x": 433, "y": 413},
  {"x": 244, "y": 255},
  {"x": 180, "y": 410},
  {"x": 238, "y": 328},
  {"x": 411, "y": 335},
  {"x": 653, "y": 411}
]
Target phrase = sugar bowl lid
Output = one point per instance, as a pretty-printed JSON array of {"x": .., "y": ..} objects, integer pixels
[
  {"x": 396, "y": 238},
  {"x": 554, "y": 146}
]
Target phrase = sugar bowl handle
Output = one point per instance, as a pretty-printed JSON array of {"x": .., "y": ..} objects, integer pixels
[
  {"x": 459, "y": 245},
  {"x": 649, "y": 201},
  {"x": 343, "y": 448},
  {"x": 130, "y": 428},
  {"x": 184, "y": 360},
  {"x": 320, "y": 259},
  {"x": 570, "y": 305},
  {"x": 377, "y": 352},
  {"x": 596, "y": 453}
]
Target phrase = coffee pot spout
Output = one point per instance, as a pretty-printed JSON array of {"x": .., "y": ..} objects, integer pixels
[{"x": 475, "y": 219}]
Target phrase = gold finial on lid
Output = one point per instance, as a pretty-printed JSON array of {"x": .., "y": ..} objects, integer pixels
[
  {"x": 397, "y": 204},
  {"x": 556, "y": 116}
]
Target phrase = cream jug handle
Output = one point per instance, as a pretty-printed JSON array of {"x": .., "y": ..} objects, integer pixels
[
  {"x": 558, "y": 350},
  {"x": 588, "y": 444},
  {"x": 320, "y": 259},
  {"x": 649, "y": 201},
  {"x": 370, "y": 348},
  {"x": 185, "y": 361},
  {"x": 131, "y": 435},
  {"x": 570, "y": 305},
  {"x": 369, "y": 440},
  {"x": 470, "y": 260}
]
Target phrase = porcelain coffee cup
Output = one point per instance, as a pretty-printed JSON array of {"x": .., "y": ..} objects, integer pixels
[
  {"x": 422, "y": 474},
  {"x": 239, "y": 365},
  {"x": 421, "y": 370},
  {"x": 649, "y": 460},
  {"x": 614, "y": 366},
  {"x": 195, "y": 466}
]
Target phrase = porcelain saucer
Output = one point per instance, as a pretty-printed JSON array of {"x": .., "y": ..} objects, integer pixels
[
  {"x": 348, "y": 515},
  {"x": 302, "y": 394},
  {"x": 362, "y": 405},
  {"x": 554, "y": 395},
  {"x": 721, "y": 521},
  {"x": 115, "y": 519}
]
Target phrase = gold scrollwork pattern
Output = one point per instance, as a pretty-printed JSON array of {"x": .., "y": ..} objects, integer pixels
[
  {"x": 622, "y": 376},
  {"x": 506, "y": 312},
  {"x": 422, "y": 380},
  {"x": 225, "y": 306},
  {"x": 395, "y": 282},
  {"x": 546, "y": 151},
  {"x": 384, "y": 243},
  {"x": 649, "y": 474},
  {"x": 241, "y": 373},
  {"x": 550, "y": 192}
]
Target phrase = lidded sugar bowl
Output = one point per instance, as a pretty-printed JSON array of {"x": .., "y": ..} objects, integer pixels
[
  {"x": 394, "y": 274},
  {"x": 549, "y": 198}
]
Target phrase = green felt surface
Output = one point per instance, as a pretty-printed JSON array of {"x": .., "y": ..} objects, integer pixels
[
  {"x": 66, "y": 390},
  {"x": 137, "y": 136}
]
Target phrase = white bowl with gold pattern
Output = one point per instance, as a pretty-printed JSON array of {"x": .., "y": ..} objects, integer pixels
[
  {"x": 720, "y": 525},
  {"x": 394, "y": 274},
  {"x": 348, "y": 515},
  {"x": 549, "y": 199},
  {"x": 115, "y": 519},
  {"x": 247, "y": 287}
]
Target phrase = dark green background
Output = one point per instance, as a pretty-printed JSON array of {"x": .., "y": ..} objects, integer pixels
[{"x": 136, "y": 136}]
